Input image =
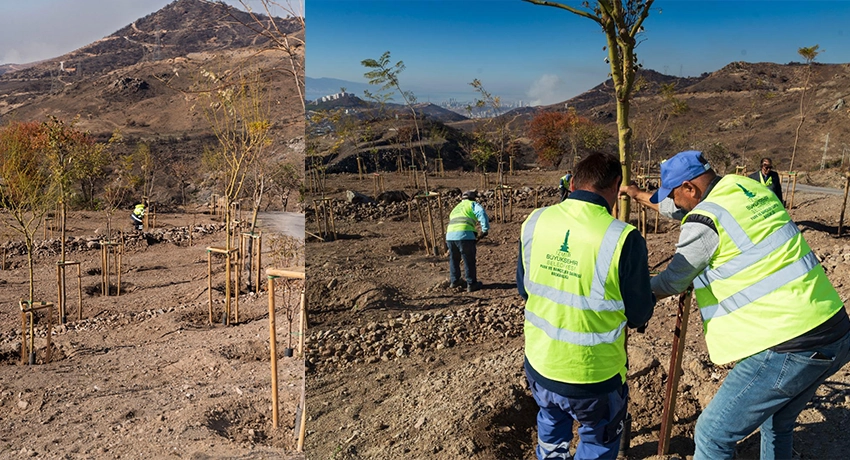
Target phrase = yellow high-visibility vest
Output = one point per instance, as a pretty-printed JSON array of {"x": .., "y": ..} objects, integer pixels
[
  {"x": 764, "y": 285},
  {"x": 462, "y": 218},
  {"x": 574, "y": 316}
]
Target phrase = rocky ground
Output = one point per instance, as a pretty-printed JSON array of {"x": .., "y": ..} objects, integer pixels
[
  {"x": 401, "y": 366},
  {"x": 145, "y": 374}
]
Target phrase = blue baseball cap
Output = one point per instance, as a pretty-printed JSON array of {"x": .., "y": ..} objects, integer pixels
[{"x": 686, "y": 165}]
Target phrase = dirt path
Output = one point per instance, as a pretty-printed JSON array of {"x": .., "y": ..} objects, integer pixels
[{"x": 400, "y": 365}]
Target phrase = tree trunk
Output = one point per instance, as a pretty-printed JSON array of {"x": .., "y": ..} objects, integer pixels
[
  {"x": 29, "y": 244},
  {"x": 624, "y": 133}
]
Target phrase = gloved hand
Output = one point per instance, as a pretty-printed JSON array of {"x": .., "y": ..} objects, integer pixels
[{"x": 480, "y": 235}]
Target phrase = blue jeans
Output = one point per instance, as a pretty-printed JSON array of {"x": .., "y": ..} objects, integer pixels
[
  {"x": 766, "y": 390},
  {"x": 600, "y": 418},
  {"x": 462, "y": 249}
]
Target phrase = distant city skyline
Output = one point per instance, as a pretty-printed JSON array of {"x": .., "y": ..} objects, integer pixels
[
  {"x": 35, "y": 30},
  {"x": 545, "y": 55}
]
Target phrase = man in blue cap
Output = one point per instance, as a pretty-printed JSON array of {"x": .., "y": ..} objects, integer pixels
[{"x": 764, "y": 298}]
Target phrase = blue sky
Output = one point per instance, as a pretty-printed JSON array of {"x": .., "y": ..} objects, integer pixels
[
  {"x": 540, "y": 54},
  {"x": 32, "y": 30}
]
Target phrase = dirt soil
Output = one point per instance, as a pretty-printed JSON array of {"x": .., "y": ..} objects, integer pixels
[
  {"x": 401, "y": 366},
  {"x": 144, "y": 374}
]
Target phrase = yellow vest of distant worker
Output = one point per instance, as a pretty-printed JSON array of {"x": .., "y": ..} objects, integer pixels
[
  {"x": 462, "y": 218},
  {"x": 574, "y": 316},
  {"x": 764, "y": 285}
]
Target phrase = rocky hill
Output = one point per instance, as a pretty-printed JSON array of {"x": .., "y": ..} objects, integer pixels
[
  {"x": 145, "y": 81},
  {"x": 744, "y": 111}
]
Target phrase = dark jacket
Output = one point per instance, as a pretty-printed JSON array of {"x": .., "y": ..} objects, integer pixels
[{"x": 772, "y": 181}]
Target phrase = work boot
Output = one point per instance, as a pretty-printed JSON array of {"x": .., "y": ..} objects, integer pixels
[
  {"x": 457, "y": 284},
  {"x": 474, "y": 286}
]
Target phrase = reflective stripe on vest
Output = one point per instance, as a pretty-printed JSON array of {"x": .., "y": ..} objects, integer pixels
[
  {"x": 749, "y": 257},
  {"x": 764, "y": 285},
  {"x": 767, "y": 182},
  {"x": 584, "y": 339}
]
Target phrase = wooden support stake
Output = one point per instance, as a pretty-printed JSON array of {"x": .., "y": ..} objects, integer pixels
[
  {"x": 238, "y": 286},
  {"x": 302, "y": 428},
  {"x": 422, "y": 225},
  {"x": 227, "y": 280},
  {"x": 28, "y": 331},
  {"x": 431, "y": 225},
  {"x": 844, "y": 204},
  {"x": 80, "y": 289},
  {"x": 118, "y": 269},
  {"x": 62, "y": 286},
  {"x": 359, "y": 168},
  {"x": 273, "y": 273},
  {"x": 231, "y": 257},
  {"x": 59, "y": 272},
  {"x": 209, "y": 282},
  {"x": 333, "y": 224},
  {"x": 674, "y": 372},
  {"x": 273, "y": 353},
  {"x": 442, "y": 219},
  {"x": 302, "y": 324}
]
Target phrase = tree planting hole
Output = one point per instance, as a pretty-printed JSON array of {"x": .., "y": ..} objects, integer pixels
[
  {"x": 407, "y": 249},
  {"x": 238, "y": 424},
  {"x": 512, "y": 427},
  {"x": 253, "y": 350},
  {"x": 96, "y": 290}
]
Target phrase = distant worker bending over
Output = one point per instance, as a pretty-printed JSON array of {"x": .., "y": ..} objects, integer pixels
[
  {"x": 564, "y": 185},
  {"x": 137, "y": 216},
  {"x": 462, "y": 239},
  {"x": 585, "y": 277},
  {"x": 764, "y": 298},
  {"x": 768, "y": 177}
]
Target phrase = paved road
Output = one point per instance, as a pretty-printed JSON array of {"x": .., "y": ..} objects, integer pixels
[
  {"x": 802, "y": 188},
  {"x": 289, "y": 223}
]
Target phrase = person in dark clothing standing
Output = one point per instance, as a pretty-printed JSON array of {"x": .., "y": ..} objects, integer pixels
[{"x": 768, "y": 177}]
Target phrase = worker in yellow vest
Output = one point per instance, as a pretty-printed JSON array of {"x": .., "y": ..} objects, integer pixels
[
  {"x": 585, "y": 277},
  {"x": 768, "y": 177},
  {"x": 137, "y": 216},
  {"x": 564, "y": 185},
  {"x": 461, "y": 240},
  {"x": 764, "y": 298}
]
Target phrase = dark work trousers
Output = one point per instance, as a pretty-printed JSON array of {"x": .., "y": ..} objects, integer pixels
[
  {"x": 462, "y": 249},
  {"x": 137, "y": 221}
]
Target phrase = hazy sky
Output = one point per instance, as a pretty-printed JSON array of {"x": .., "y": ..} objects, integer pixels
[
  {"x": 544, "y": 54},
  {"x": 32, "y": 30}
]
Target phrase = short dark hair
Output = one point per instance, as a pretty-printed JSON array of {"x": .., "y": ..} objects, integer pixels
[
  {"x": 765, "y": 159},
  {"x": 598, "y": 171}
]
